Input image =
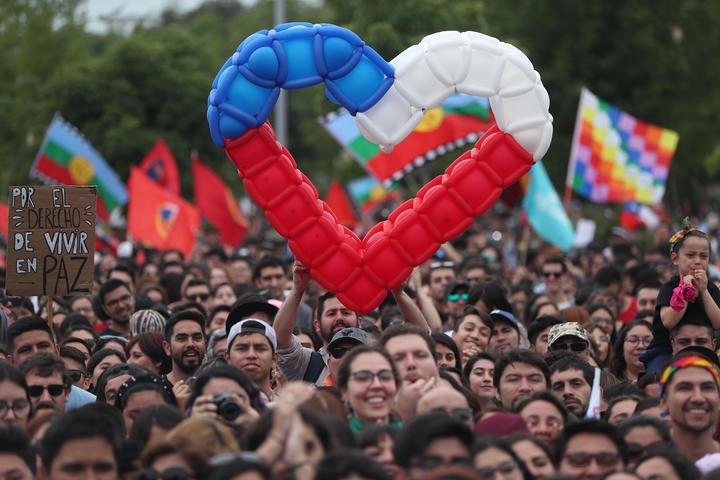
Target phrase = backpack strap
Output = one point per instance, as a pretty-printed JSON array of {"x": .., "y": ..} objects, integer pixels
[{"x": 314, "y": 368}]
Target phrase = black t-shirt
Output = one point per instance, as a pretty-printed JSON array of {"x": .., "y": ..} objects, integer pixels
[{"x": 695, "y": 310}]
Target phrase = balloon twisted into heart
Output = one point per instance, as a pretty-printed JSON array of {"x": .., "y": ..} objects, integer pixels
[{"x": 388, "y": 101}]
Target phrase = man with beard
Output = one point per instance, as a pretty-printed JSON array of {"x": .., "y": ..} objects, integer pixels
[
  {"x": 691, "y": 396},
  {"x": 47, "y": 380},
  {"x": 571, "y": 380},
  {"x": 252, "y": 348},
  {"x": 185, "y": 344},
  {"x": 118, "y": 303}
]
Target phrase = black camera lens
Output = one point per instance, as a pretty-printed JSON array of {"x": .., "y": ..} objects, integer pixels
[{"x": 227, "y": 407}]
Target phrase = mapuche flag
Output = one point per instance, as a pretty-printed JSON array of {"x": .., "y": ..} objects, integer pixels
[
  {"x": 158, "y": 218},
  {"x": 160, "y": 165},
  {"x": 460, "y": 119},
  {"x": 217, "y": 204},
  {"x": 67, "y": 158}
]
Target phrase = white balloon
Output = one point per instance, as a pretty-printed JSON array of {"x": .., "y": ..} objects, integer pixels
[
  {"x": 390, "y": 120},
  {"x": 416, "y": 82},
  {"x": 448, "y": 56}
]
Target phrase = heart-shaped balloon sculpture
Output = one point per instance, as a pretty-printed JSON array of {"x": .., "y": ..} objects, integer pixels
[{"x": 388, "y": 101}]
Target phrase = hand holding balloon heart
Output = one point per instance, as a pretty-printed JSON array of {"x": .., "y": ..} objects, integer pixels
[{"x": 388, "y": 100}]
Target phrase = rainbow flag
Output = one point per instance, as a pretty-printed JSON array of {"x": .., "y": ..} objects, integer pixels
[
  {"x": 67, "y": 158},
  {"x": 615, "y": 157},
  {"x": 460, "y": 119}
]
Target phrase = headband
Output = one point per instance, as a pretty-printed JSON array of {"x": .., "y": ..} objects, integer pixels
[
  {"x": 677, "y": 239},
  {"x": 685, "y": 362}
]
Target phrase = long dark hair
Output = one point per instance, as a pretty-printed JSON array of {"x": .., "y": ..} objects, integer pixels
[{"x": 618, "y": 364}]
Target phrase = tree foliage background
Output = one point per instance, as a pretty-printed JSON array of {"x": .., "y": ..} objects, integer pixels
[{"x": 653, "y": 58}]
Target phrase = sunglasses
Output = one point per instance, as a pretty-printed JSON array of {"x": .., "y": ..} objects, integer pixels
[
  {"x": 575, "y": 346},
  {"x": 552, "y": 274},
  {"x": 200, "y": 296},
  {"x": 454, "y": 297},
  {"x": 174, "y": 473},
  {"x": 582, "y": 459},
  {"x": 76, "y": 375},
  {"x": 366, "y": 376},
  {"x": 55, "y": 390},
  {"x": 339, "y": 352}
]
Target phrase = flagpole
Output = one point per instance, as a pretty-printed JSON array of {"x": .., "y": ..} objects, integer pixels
[
  {"x": 281, "y": 106},
  {"x": 573, "y": 151}
]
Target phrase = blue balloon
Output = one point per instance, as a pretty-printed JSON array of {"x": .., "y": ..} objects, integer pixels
[{"x": 293, "y": 55}]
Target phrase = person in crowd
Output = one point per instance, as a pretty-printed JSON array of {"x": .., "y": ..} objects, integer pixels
[
  {"x": 600, "y": 346},
  {"x": 140, "y": 392},
  {"x": 216, "y": 346},
  {"x": 472, "y": 332},
  {"x": 590, "y": 448},
  {"x": 368, "y": 383},
  {"x": 571, "y": 380},
  {"x": 432, "y": 441},
  {"x": 113, "y": 378},
  {"x": 185, "y": 345},
  {"x": 534, "y": 454},
  {"x": 15, "y": 401},
  {"x": 632, "y": 342},
  {"x": 198, "y": 291},
  {"x": 378, "y": 442},
  {"x": 82, "y": 304},
  {"x": 17, "y": 458},
  {"x": 569, "y": 337},
  {"x": 456, "y": 294},
  {"x": 147, "y": 351},
  {"x": 647, "y": 294},
  {"x": 74, "y": 361},
  {"x": 642, "y": 432},
  {"x": 493, "y": 456},
  {"x": 252, "y": 348},
  {"x": 538, "y": 333},
  {"x": 447, "y": 354},
  {"x": 48, "y": 383},
  {"x": 446, "y": 400},
  {"x": 479, "y": 374},
  {"x": 223, "y": 295},
  {"x": 620, "y": 408},
  {"x": 217, "y": 318},
  {"x": 544, "y": 415},
  {"x": 270, "y": 275},
  {"x": 146, "y": 321},
  {"x": 153, "y": 423},
  {"x": 553, "y": 272},
  {"x": 660, "y": 461},
  {"x": 440, "y": 276},
  {"x": 692, "y": 333},
  {"x": 602, "y": 316},
  {"x": 100, "y": 362},
  {"x": 518, "y": 374},
  {"x": 506, "y": 335},
  {"x": 118, "y": 303}
]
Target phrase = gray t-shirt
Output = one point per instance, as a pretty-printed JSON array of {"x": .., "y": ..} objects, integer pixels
[{"x": 294, "y": 361}]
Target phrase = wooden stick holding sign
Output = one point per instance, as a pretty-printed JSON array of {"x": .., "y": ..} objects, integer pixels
[{"x": 51, "y": 241}]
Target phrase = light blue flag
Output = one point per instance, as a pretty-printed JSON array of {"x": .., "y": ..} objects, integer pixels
[{"x": 545, "y": 211}]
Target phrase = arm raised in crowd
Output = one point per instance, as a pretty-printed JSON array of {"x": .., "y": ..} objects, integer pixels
[{"x": 285, "y": 318}]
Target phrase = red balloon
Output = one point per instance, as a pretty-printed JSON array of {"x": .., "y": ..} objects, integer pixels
[{"x": 362, "y": 271}]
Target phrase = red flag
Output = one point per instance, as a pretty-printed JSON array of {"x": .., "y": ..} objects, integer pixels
[
  {"x": 340, "y": 204},
  {"x": 159, "y": 218},
  {"x": 4, "y": 214},
  {"x": 217, "y": 205},
  {"x": 160, "y": 166}
]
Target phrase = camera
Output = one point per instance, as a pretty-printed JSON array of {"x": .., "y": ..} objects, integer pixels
[{"x": 227, "y": 407}]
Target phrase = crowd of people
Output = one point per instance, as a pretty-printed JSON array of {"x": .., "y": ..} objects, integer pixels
[{"x": 237, "y": 365}]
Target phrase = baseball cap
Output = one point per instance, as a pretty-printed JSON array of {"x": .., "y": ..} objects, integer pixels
[
  {"x": 246, "y": 305},
  {"x": 503, "y": 316},
  {"x": 252, "y": 325},
  {"x": 568, "y": 329},
  {"x": 353, "y": 334}
]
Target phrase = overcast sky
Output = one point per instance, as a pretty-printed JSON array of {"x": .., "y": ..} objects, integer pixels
[{"x": 131, "y": 9}]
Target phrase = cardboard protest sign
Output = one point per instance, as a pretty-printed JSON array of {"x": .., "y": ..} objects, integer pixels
[{"x": 51, "y": 240}]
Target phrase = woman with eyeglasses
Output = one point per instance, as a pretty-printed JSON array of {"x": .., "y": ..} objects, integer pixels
[
  {"x": 492, "y": 455},
  {"x": 633, "y": 340},
  {"x": 15, "y": 405},
  {"x": 368, "y": 382}
]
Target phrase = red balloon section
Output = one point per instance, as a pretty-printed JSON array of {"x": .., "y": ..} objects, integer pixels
[{"x": 362, "y": 271}]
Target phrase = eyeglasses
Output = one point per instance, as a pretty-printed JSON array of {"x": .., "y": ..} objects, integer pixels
[
  {"x": 574, "y": 346},
  {"x": 429, "y": 463},
  {"x": 339, "y": 352},
  {"x": 582, "y": 459},
  {"x": 454, "y": 297},
  {"x": 173, "y": 473},
  {"x": 199, "y": 296},
  {"x": 505, "y": 469},
  {"x": 436, "y": 265},
  {"x": 20, "y": 408},
  {"x": 635, "y": 340},
  {"x": 114, "y": 303},
  {"x": 54, "y": 390},
  {"x": 552, "y": 274},
  {"x": 462, "y": 414},
  {"x": 366, "y": 376},
  {"x": 76, "y": 375}
]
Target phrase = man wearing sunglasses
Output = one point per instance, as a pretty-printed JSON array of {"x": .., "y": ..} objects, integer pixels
[
  {"x": 198, "y": 291},
  {"x": 457, "y": 295},
  {"x": 553, "y": 273},
  {"x": 569, "y": 337},
  {"x": 47, "y": 380},
  {"x": 342, "y": 342},
  {"x": 590, "y": 448}
]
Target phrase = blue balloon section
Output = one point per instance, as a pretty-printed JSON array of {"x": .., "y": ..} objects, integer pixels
[{"x": 294, "y": 55}]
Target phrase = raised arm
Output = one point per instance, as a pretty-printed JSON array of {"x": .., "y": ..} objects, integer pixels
[
  {"x": 285, "y": 318},
  {"x": 424, "y": 316}
]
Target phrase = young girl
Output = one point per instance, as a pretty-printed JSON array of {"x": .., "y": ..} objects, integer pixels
[{"x": 687, "y": 295}]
